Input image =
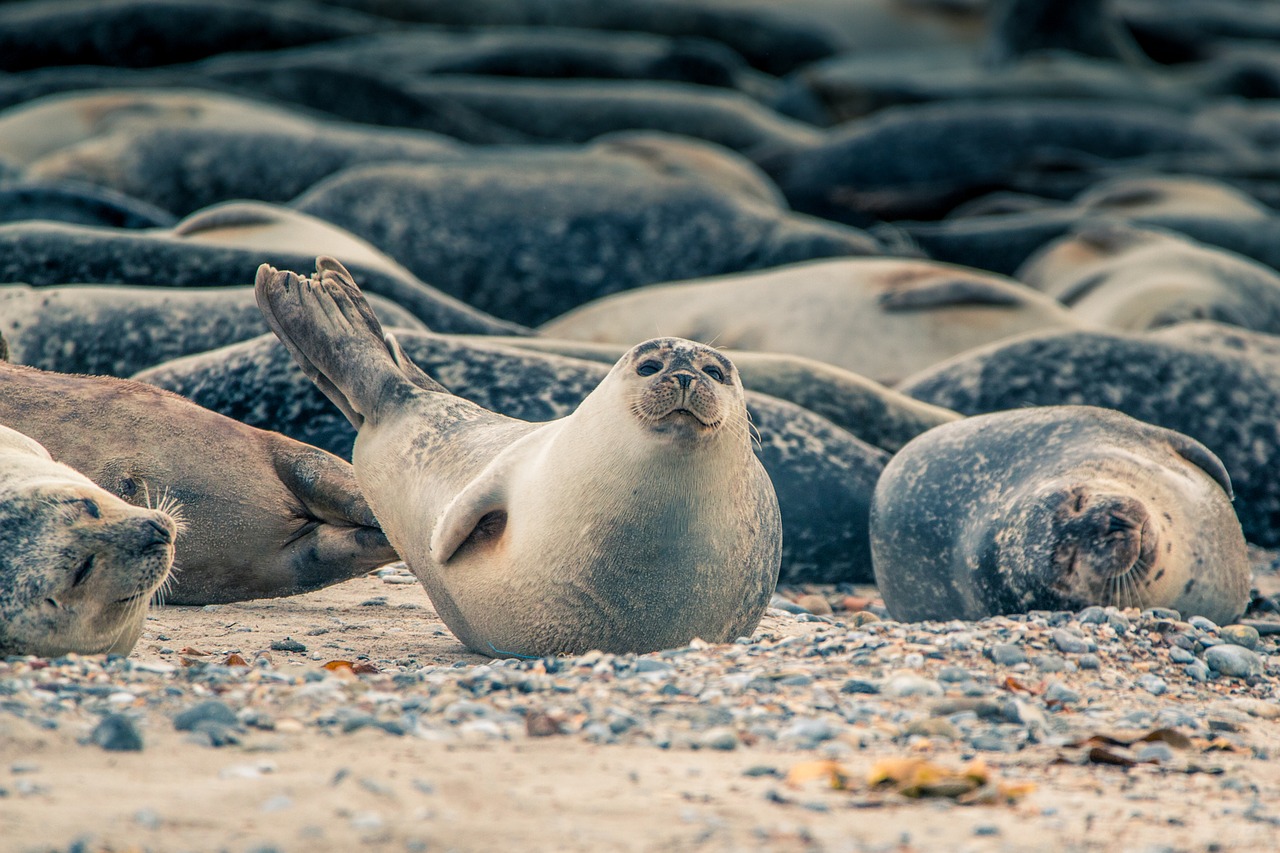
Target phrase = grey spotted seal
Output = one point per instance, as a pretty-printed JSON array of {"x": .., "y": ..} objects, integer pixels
[
  {"x": 78, "y": 566},
  {"x": 883, "y": 318},
  {"x": 823, "y": 475},
  {"x": 1225, "y": 399},
  {"x": 44, "y": 253},
  {"x": 639, "y": 522},
  {"x": 1125, "y": 277},
  {"x": 115, "y": 330},
  {"x": 264, "y": 515},
  {"x": 1056, "y": 508},
  {"x": 572, "y": 231}
]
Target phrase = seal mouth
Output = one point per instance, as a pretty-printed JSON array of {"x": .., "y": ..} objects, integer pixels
[{"x": 683, "y": 415}]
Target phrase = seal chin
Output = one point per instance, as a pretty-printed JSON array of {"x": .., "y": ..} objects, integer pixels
[{"x": 682, "y": 422}]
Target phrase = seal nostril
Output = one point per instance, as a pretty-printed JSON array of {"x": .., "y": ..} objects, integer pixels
[
  {"x": 684, "y": 379},
  {"x": 163, "y": 531}
]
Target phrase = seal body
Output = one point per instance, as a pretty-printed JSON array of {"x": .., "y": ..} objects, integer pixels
[
  {"x": 264, "y": 515},
  {"x": 638, "y": 522},
  {"x": 115, "y": 330},
  {"x": 1227, "y": 399},
  {"x": 884, "y": 318},
  {"x": 1056, "y": 508},
  {"x": 78, "y": 566},
  {"x": 1132, "y": 278}
]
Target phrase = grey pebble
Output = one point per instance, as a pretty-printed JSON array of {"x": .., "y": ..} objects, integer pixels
[
  {"x": 117, "y": 733},
  {"x": 1069, "y": 642},
  {"x": 859, "y": 685},
  {"x": 1202, "y": 623},
  {"x": 1059, "y": 692},
  {"x": 1089, "y": 661},
  {"x": 1180, "y": 655},
  {"x": 211, "y": 711},
  {"x": 1233, "y": 660},
  {"x": 719, "y": 738},
  {"x": 807, "y": 734},
  {"x": 1197, "y": 671},
  {"x": 1157, "y": 751},
  {"x": 288, "y": 644},
  {"x": 1154, "y": 685},
  {"x": 1007, "y": 654}
]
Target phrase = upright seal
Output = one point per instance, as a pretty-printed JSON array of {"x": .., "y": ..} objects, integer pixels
[{"x": 638, "y": 522}]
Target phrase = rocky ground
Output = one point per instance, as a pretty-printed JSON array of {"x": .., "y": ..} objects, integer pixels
[{"x": 352, "y": 717}]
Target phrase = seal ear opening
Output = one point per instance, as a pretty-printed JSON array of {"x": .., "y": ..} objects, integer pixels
[{"x": 1204, "y": 459}]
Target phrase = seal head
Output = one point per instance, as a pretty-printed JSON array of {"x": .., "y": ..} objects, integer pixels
[{"x": 78, "y": 566}]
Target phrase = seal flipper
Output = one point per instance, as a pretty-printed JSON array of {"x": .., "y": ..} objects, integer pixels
[
  {"x": 481, "y": 507},
  {"x": 333, "y": 335},
  {"x": 925, "y": 294},
  {"x": 1203, "y": 458}
]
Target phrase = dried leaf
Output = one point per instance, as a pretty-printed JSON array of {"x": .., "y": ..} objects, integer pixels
[
  {"x": 335, "y": 665},
  {"x": 234, "y": 660},
  {"x": 190, "y": 652},
  {"x": 1221, "y": 744},
  {"x": 835, "y": 776},
  {"x": 894, "y": 770},
  {"x": 1013, "y": 685},
  {"x": 1173, "y": 737},
  {"x": 365, "y": 668}
]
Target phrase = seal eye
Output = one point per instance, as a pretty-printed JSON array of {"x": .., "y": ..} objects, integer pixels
[
  {"x": 648, "y": 368},
  {"x": 714, "y": 372}
]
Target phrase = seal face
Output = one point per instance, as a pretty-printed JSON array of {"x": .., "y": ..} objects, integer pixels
[
  {"x": 638, "y": 522},
  {"x": 78, "y": 566},
  {"x": 1056, "y": 508}
]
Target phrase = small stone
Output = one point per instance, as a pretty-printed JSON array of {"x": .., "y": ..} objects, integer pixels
[
  {"x": 815, "y": 604},
  {"x": 1069, "y": 643},
  {"x": 902, "y": 686},
  {"x": 1152, "y": 684},
  {"x": 953, "y": 675},
  {"x": 1165, "y": 613},
  {"x": 1233, "y": 660},
  {"x": 1007, "y": 654},
  {"x": 1202, "y": 623},
  {"x": 1180, "y": 655},
  {"x": 719, "y": 738},
  {"x": 933, "y": 727},
  {"x": 1061, "y": 693},
  {"x": 862, "y": 617},
  {"x": 780, "y": 603},
  {"x": 117, "y": 733},
  {"x": 1093, "y": 615},
  {"x": 807, "y": 734},
  {"x": 288, "y": 644},
  {"x": 1197, "y": 671},
  {"x": 1089, "y": 661},
  {"x": 858, "y": 685},
  {"x": 986, "y": 829},
  {"x": 1051, "y": 663},
  {"x": 1240, "y": 635},
  {"x": 211, "y": 711}
]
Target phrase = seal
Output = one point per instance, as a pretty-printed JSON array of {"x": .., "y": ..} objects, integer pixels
[
  {"x": 115, "y": 330},
  {"x": 45, "y": 253},
  {"x": 639, "y": 522},
  {"x": 822, "y": 474},
  {"x": 264, "y": 515},
  {"x": 1056, "y": 508},
  {"x": 1125, "y": 277},
  {"x": 576, "y": 230},
  {"x": 1223, "y": 398},
  {"x": 78, "y": 566},
  {"x": 883, "y": 318}
]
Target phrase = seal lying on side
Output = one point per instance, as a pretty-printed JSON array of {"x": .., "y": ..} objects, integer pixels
[
  {"x": 884, "y": 318},
  {"x": 115, "y": 330},
  {"x": 1125, "y": 277},
  {"x": 264, "y": 515},
  {"x": 1056, "y": 508},
  {"x": 78, "y": 566},
  {"x": 638, "y": 522},
  {"x": 1225, "y": 398}
]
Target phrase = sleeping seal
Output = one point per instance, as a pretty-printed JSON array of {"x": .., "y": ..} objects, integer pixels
[
  {"x": 263, "y": 515},
  {"x": 1056, "y": 508},
  {"x": 638, "y": 522},
  {"x": 78, "y": 566}
]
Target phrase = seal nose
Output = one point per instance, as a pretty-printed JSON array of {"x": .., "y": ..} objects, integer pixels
[
  {"x": 684, "y": 379},
  {"x": 159, "y": 529}
]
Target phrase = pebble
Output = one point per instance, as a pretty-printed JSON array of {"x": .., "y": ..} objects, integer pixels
[
  {"x": 719, "y": 738},
  {"x": 212, "y": 711},
  {"x": 288, "y": 644},
  {"x": 1237, "y": 661},
  {"x": 117, "y": 733},
  {"x": 1061, "y": 693},
  {"x": 1154, "y": 685},
  {"x": 815, "y": 604},
  {"x": 1007, "y": 654},
  {"x": 1069, "y": 643},
  {"x": 1244, "y": 636}
]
